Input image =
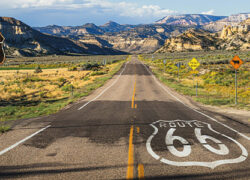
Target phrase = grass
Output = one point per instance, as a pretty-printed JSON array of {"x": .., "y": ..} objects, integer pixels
[
  {"x": 215, "y": 80},
  {"x": 27, "y": 94},
  {"x": 4, "y": 129}
]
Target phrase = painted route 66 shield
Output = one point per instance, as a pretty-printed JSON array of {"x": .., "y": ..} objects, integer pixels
[{"x": 193, "y": 143}]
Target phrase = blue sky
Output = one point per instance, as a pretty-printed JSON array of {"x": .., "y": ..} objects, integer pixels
[{"x": 78, "y": 12}]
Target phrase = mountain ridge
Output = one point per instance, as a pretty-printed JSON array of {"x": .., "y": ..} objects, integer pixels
[
  {"x": 189, "y": 19},
  {"x": 230, "y": 38},
  {"x": 21, "y": 39}
]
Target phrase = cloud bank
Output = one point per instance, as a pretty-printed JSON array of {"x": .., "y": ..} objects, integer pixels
[{"x": 122, "y": 8}]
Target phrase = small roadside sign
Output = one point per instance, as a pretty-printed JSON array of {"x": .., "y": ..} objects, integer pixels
[
  {"x": 2, "y": 55},
  {"x": 194, "y": 63},
  {"x": 236, "y": 62}
]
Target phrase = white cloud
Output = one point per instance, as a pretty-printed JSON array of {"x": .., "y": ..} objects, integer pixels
[
  {"x": 121, "y": 8},
  {"x": 210, "y": 12},
  {"x": 33, "y": 3}
]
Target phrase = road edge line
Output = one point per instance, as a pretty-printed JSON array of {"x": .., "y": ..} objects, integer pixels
[
  {"x": 104, "y": 89},
  {"x": 22, "y": 141}
]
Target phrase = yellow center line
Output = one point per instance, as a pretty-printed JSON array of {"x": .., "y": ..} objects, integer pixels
[
  {"x": 140, "y": 171},
  {"x": 138, "y": 130},
  {"x": 133, "y": 97},
  {"x": 130, "y": 169}
]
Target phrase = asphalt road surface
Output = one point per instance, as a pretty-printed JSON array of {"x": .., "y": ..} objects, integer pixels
[{"x": 132, "y": 128}]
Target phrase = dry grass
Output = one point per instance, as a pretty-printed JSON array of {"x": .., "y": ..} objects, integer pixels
[{"x": 50, "y": 84}]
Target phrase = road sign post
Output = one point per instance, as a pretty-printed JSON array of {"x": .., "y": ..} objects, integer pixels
[
  {"x": 236, "y": 62},
  {"x": 164, "y": 62},
  {"x": 178, "y": 66},
  {"x": 195, "y": 64},
  {"x": 236, "y": 93},
  {"x": 196, "y": 86}
]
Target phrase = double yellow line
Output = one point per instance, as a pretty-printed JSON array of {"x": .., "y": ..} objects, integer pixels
[{"x": 130, "y": 169}]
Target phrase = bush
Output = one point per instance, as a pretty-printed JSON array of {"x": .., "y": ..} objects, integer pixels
[
  {"x": 38, "y": 69},
  {"x": 32, "y": 79},
  {"x": 96, "y": 73},
  {"x": 68, "y": 87},
  {"x": 90, "y": 66},
  {"x": 73, "y": 68},
  {"x": 62, "y": 80}
]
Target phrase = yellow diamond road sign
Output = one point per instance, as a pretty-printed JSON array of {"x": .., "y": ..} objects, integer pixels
[{"x": 194, "y": 63}]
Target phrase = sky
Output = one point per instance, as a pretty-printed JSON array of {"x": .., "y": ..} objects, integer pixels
[{"x": 78, "y": 12}]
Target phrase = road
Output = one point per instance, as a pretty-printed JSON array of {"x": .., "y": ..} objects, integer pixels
[{"x": 131, "y": 128}]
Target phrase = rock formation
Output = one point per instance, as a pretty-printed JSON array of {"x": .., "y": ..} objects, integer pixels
[
  {"x": 232, "y": 20},
  {"x": 230, "y": 38}
]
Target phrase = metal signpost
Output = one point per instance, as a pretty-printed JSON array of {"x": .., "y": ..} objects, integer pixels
[
  {"x": 194, "y": 64},
  {"x": 2, "y": 55},
  {"x": 178, "y": 65},
  {"x": 164, "y": 62},
  {"x": 236, "y": 62}
]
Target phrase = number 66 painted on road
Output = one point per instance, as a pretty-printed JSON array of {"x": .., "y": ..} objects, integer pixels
[
  {"x": 170, "y": 138},
  {"x": 195, "y": 126}
]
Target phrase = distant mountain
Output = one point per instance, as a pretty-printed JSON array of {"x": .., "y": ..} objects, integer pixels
[
  {"x": 230, "y": 38},
  {"x": 127, "y": 38},
  {"x": 143, "y": 38},
  {"x": 140, "y": 39},
  {"x": 112, "y": 26},
  {"x": 21, "y": 39},
  {"x": 88, "y": 28},
  {"x": 232, "y": 20},
  {"x": 189, "y": 19}
]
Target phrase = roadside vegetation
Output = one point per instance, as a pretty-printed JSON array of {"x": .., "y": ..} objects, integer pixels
[
  {"x": 31, "y": 90},
  {"x": 215, "y": 78}
]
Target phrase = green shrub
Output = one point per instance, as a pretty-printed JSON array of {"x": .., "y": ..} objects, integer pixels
[
  {"x": 62, "y": 80},
  {"x": 96, "y": 73},
  {"x": 38, "y": 69},
  {"x": 68, "y": 87},
  {"x": 72, "y": 68},
  {"x": 32, "y": 79}
]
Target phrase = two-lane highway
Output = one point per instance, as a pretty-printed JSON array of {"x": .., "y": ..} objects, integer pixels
[{"x": 133, "y": 127}]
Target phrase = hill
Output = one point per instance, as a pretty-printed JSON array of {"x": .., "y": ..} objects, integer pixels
[
  {"x": 232, "y": 20},
  {"x": 230, "y": 38},
  {"x": 22, "y": 40},
  {"x": 189, "y": 19}
]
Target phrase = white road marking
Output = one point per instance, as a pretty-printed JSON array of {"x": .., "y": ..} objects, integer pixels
[
  {"x": 20, "y": 142},
  {"x": 202, "y": 139},
  {"x": 243, "y": 135},
  {"x": 104, "y": 89},
  {"x": 170, "y": 138}
]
